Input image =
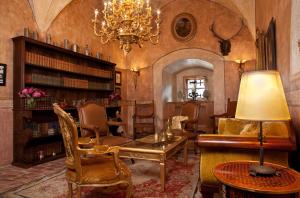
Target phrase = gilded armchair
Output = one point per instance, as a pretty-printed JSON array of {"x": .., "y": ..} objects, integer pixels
[
  {"x": 98, "y": 166},
  {"x": 237, "y": 140}
]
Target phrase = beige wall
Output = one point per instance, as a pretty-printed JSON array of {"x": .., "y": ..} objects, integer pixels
[
  {"x": 15, "y": 16},
  {"x": 74, "y": 24},
  {"x": 281, "y": 10}
]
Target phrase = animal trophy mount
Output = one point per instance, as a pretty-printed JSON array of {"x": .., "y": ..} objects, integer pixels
[{"x": 225, "y": 44}]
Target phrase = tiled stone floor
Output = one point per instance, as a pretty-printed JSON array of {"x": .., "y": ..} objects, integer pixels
[{"x": 12, "y": 176}]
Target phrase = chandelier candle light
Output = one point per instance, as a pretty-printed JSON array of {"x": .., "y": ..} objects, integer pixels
[{"x": 129, "y": 21}]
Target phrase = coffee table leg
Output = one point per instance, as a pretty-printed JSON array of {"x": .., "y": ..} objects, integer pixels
[
  {"x": 162, "y": 172},
  {"x": 185, "y": 152}
]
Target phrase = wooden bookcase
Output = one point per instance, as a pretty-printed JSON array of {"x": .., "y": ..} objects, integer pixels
[{"x": 68, "y": 78}]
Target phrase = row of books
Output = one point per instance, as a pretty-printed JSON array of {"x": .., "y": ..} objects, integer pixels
[
  {"x": 66, "y": 82},
  {"x": 45, "y": 151},
  {"x": 65, "y": 65},
  {"x": 43, "y": 129}
]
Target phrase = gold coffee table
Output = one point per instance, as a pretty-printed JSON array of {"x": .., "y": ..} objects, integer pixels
[{"x": 149, "y": 148}]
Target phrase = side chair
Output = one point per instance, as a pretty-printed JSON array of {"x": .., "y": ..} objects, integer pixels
[
  {"x": 143, "y": 119},
  {"x": 230, "y": 113},
  {"x": 93, "y": 121},
  {"x": 187, "y": 122},
  {"x": 98, "y": 166}
]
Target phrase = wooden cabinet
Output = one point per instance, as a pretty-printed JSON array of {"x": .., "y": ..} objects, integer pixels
[{"x": 67, "y": 78}]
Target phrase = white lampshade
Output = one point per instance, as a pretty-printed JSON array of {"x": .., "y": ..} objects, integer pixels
[{"x": 261, "y": 97}]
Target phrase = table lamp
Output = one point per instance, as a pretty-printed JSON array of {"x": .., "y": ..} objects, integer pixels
[{"x": 261, "y": 98}]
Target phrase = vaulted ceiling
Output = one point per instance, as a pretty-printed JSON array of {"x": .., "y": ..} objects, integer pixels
[{"x": 46, "y": 11}]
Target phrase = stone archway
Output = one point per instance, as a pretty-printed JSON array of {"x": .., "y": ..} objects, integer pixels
[{"x": 192, "y": 53}]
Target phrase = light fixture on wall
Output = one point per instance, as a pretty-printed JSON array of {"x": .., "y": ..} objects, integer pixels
[
  {"x": 129, "y": 21},
  {"x": 136, "y": 73},
  {"x": 241, "y": 67},
  {"x": 299, "y": 44}
]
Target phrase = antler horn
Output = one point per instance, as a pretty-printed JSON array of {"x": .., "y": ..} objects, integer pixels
[
  {"x": 242, "y": 25},
  {"x": 212, "y": 29}
]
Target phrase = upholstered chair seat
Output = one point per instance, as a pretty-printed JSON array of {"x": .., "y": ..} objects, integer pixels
[{"x": 99, "y": 170}]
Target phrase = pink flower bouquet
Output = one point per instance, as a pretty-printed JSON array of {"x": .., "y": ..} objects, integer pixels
[{"x": 30, "y": 92}]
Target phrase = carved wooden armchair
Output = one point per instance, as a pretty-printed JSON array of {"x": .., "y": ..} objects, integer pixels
[
  {"x": 143, "y": 119},
  {"x": 230, "y": 113},
  {"x": 93, "y": 121},
  {"x": 97, "y": 166},
  {"x": 237, "y": 140},
  {"x": 188, "y": 120}
]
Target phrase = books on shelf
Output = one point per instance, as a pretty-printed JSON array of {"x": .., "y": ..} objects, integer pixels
[
  {"x": 41, "y": 79},
  {"x": 65, "y": 64}
]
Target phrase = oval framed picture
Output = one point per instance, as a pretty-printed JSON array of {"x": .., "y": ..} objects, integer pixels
[{"x": 184, "y": 27}]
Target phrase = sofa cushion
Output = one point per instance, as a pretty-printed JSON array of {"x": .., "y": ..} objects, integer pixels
[{"x": 233, "y": 126}]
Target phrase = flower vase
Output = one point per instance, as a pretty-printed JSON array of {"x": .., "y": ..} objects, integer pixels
[
  {"x": 30, "y": 103},
  {"x": 114, "y": 103}
]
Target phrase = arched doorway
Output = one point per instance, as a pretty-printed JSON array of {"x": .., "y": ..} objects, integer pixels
[{"x": 172, "y": 59}]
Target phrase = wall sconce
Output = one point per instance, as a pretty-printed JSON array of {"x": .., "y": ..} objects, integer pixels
[
  {"x": 299, "y": 44},
  {"x": 136, "y": 73},
  {"x": 241, "y": 68}
]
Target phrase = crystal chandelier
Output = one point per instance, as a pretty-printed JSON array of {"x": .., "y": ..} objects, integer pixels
[{"x": 129, "y": 21}]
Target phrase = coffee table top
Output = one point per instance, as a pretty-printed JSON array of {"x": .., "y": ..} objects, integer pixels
[
  {"x": 236, "y": 174},
  {"x": 152, "y": 144}
]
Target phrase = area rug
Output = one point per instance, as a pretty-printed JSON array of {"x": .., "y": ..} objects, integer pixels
[{"x": 181, "y": 182}]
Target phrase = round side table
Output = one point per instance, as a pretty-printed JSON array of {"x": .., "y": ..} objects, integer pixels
[{"x": 239, "y": 183}]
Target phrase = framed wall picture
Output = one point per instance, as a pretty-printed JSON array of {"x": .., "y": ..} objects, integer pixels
[
  {"x": 184, "y": 27},
  {"x": 2, "y": 74},
  {"x": 271, "y": 46},
  {"x": 118, "y": 78}
]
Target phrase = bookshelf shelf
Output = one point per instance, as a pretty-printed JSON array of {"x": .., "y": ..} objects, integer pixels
[
  {"x": 67, "y": 77},
  {"x": 65, "y": 87},
  {"x": 65, "y": 71}
]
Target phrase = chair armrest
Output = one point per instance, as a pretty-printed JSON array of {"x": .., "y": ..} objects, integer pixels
[
  {"x": 102, "y": 150},
  {"x": 92, "y": 128},
  {"x": 242, "y": 142},
  {"x": 218, "y": 116},
  {"x": 99, "y": 150},
  {"x": 191, "y": 121}
]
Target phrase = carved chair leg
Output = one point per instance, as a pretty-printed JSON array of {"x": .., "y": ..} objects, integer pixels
[
  {"x": 78, "y": 191},
  {"x": 129, "y": 189},
  {"x": 70, "y": 193},
  {"x": 132, "y": 161},
  {"x": 195, "y": 147},
  {"x": 208, "y": 191}
]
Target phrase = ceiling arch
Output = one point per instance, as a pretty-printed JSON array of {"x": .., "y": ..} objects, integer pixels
[
  {"x": 183, "y": 64},
  {"x": 46, "y": 11}
]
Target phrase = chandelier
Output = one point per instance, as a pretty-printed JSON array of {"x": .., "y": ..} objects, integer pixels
[{"x": 129, "y": 21}]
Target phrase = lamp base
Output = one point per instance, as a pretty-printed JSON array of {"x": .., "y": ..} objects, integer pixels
[{"x": 261, "y": 170}]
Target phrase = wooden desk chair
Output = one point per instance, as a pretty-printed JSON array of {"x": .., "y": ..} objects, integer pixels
[
  {"x": 143, "y": 119},
  {"x": 188, "y": 122},
  {"x": 97, "y": 166},
  {"x": 230, "y": 113}
]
